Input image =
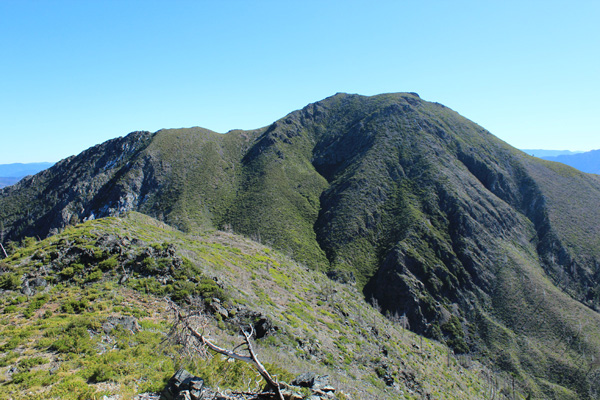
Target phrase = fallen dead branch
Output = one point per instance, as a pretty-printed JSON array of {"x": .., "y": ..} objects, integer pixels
[{"x": 188, "y": 330}]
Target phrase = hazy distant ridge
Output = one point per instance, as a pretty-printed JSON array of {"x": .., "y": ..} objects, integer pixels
[
  {"x": 587, "y": 162},
  {"x": 549, "y": 153},
  {"x": 12, "y": 173}
]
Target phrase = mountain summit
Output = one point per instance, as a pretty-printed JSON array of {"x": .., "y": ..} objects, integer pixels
[{"x": 474, "y": 242}]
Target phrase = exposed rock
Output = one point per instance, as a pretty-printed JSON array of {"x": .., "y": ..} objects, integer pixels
[
  {"x": 126, "y": 322},
  {"x": 217, "y": 308},
  {"x": 307, "y": 379},
  {"x": 318, "y": 383},
  {"x": 30, "y": 286},
  {"x": 262, "y": 325},
  {"x": 183, "y": 386}
]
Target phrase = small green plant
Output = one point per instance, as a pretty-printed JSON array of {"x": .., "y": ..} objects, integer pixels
[
  {"x": 67, "y": 272},
  {"x": 94, "y": 275},
  {"x": 108, "y": 264},
  {"x": 35, "y": 304},
  {"x": 10, "y": 309},
  {"x": 75, "y": 306},
  {"x": 74, "y": 339},
  {"x": 28, "y": 363}
]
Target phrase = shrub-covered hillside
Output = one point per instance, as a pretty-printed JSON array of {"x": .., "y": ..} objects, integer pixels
[{"x": 84, "y": 315}]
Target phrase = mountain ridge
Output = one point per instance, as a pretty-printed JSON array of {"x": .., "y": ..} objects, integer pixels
[{"x": 430, "y": 214}]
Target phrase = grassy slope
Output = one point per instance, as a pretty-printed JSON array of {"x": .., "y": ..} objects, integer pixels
[
  {"x": 198, "y": 172},
  {"x": 324, "y": 327},
  {"x": 572, "y": 204}
]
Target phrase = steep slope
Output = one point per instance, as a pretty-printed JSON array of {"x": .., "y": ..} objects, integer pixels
[
  {"x": 185, "y": 177},
  {"x": 468, "y": 239}
]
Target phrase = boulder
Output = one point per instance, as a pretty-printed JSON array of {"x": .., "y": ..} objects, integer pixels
[
  {"x": 183, "y": 386},
  {"x": 30, "y": 286}
]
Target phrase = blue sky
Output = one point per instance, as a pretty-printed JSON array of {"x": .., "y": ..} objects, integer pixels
[{"x": 77, "y": 73}]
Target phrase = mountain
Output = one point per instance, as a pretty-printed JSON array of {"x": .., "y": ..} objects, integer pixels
[
  {"x": 549, "y": 153},
  {"x": 587, "y": 162},
  {"x": 477, "y": 244},
  {"x": 12, "y": 173}
]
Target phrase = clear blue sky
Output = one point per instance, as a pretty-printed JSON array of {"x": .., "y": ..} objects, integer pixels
[{"x": 77, "y": 73}]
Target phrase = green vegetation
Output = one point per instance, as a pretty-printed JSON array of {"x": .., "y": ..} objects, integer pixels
[
  {"x": 57, "y": 338},
  {"x": 441, "y": 226}
]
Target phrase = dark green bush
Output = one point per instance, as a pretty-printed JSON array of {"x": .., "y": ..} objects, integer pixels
[
  {"x": 102, "y": 373},
  {"x": 182, "y": 290},
  {"x": 208, "y": 289},
  {"x": 94, "y": 275},
  {"x": 74, "y": 306},
  {"x": 10, "y": 281}
]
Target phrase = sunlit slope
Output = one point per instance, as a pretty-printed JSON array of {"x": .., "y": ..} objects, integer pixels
[{"x": 58, "y": 342}]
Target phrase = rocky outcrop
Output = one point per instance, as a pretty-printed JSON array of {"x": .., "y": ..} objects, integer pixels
[
  {"x": 125, "y": 322},
  {"x": 185, "y": 386}
]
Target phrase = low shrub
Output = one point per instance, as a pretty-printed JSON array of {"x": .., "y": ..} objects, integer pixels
[{"x": 10, "y": 281}]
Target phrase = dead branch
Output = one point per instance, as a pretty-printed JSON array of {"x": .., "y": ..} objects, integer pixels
[
  {"x": 3, "y": 251},
  {"x": 187, "y": 330}
]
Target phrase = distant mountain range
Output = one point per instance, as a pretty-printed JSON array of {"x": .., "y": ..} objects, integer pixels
[
  {"x": 12, "y": 173},
  {"x": 587, "y": 162},
  {"x": 541, "y": 153}
]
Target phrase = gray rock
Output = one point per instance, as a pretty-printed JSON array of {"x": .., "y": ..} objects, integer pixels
[
  {"x": 219, "y": 309},
  {"x": 26, "y": 290},
  {"x": 183, "y": 386},
  {"x": 125, "y": 322},
  {"x": 184, "y": 395},
  {"x": 320, "y": 382},
  {"x": 38, "y": 283},
  {"x": 307, "y": 380},
  {"x": 31, "y": 286}
]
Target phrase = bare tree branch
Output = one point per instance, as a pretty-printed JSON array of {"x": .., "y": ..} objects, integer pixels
[{"x": 187, "y": 330}]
